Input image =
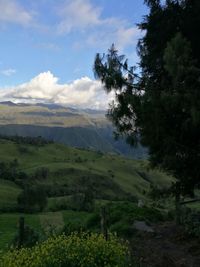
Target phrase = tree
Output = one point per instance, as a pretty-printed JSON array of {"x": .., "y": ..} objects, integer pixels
[
  {"x": 32, "y": 199},
  {"x": 161, "y": 106}
]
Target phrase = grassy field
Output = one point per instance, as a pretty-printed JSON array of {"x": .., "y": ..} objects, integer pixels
[
  {"x": 9, "y": 192},
  {"x": 111, "y": 177},
  {"x": 132, "y": 176},
  {"x": 42, "y": 222}
]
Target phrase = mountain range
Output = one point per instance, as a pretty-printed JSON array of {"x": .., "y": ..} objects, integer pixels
[{"x": 82, "y": 128}]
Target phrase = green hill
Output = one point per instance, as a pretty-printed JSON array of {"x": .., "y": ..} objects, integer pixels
[
  {"x": 113, "y": 175},
  {"x": 65, "y": 172}
]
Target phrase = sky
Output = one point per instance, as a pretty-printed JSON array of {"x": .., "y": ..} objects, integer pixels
[{"x": 48, "y": 47}]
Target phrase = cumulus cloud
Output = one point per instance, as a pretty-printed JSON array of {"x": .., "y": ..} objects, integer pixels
[
  {"x": 13, "y": 12},
  {"x": 81, "y": 15},
  {"x": 81, "y": 93},
  {"x": 8, "y": 72}
]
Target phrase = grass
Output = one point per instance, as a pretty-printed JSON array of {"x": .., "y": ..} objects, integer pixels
[
  {"x": 9, "y": 226},
  {"x": 51, "y": 222},
  {"x": 113, "y": 177},
  {"x": 124, "y": 172},
  {"x": 42, "y": 222},
  {"x": 70, "y": 216},
  {"x": 9, "y": 192}
]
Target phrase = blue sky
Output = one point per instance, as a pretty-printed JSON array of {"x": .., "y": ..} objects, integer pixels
[{"x": 48, "y": 46}]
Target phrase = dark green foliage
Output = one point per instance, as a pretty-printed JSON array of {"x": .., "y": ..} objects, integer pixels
[
  {"x": 122, "y": 228},
  {"x": 129, "y": 212},
  {"x": 41, "y": 173},
  {"x": 31, "y": 237},
  {"x": 122, "y": 216},
  {"x": 157, "y": 193},
  {"x": 27, "y": 140},
  {"x": 8, "y": 170},
  {"x": 32, "y": 199},
  {"x": 70, "y": 228},
  {"x": 190, "y": 220},
  {"x": 93, "y": 221},
  {"x": 161, "y": 107},
  {"x": 83, "y": 201}
]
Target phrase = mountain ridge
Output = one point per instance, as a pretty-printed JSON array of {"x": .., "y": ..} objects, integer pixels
[{"x": 83, "y": 128}]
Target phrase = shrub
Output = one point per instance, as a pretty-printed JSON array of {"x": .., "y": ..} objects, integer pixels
[
  {"x": 77, "y": 227},
  {"x": 129, "y": 212},
  {"x": 157, "y": 193},
  {"x": 191, "y": 222},
  {"x": 75, "y": 250},
  {"x": 122, "y": 229},
  {"x": 93, "y": 221}
]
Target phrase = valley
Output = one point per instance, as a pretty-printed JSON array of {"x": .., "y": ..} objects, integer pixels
[
  {"x": 66, "y": 175},
  {"x": 78, "y": 128}
]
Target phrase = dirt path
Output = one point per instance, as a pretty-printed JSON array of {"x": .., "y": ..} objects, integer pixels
[{"x": 166, "y": 247}]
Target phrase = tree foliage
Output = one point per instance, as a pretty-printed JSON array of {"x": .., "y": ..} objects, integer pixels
[
  {"x": 161, "y": 106},
  {"x": 32, "y": 199}
]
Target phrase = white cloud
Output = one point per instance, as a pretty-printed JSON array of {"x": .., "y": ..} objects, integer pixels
[
  {"x": 81, "y": 93},
  {"x": 78, "y": 14},
  {"x": 13, "y": 12},
  {"x": 8, "y": 72},
  {"x": 82, "y": 16},
  {"x": 126, "y": 36},
  {"x": 122, "y": 36}
]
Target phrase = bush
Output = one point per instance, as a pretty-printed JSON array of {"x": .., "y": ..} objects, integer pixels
[
  {"x": 93, "y": 221},
  {"x": 122, "y": 229},
  {"x": 157, "y": 193},
  {"x": 82, "y": 250},
  {"x": 129, "y": 212},
  {"x": 82, "y": 201},
  {"x": 191, "y": 222},
  {"x": 70, "y": 228}
]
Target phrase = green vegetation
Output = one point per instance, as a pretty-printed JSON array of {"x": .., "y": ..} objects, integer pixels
[
  {"x": 9, "y": 226},
  {"x": 160, "y": 107},
  {"x": 32, "y": 199},
  {"x": 64, "y": 171},
  {"x": 74, "y": 250},
  {"x": 9, "y": 192},
  {"x": 76, "y": 183}
]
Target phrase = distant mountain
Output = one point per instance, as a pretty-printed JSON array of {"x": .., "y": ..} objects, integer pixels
[
  {"x": 8, "y": 103},
  {"x": 78, "y": 128}
]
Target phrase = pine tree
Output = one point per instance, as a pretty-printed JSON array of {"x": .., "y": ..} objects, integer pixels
[{"x": 161, "y": 108}]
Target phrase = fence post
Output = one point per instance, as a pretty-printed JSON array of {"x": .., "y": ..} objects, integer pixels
[
  {"x": 104, "y": 229},
  {"x": 21, "y": 232}
]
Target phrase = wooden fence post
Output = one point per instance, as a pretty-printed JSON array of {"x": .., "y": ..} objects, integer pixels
[
  {"x": 104, "y": 228},
  {"x": 21, "y": 232}
]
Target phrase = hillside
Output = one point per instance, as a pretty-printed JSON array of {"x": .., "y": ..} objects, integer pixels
[
  {"x": 68, "y": 173},
  {"x": 77, "y": 128},
  {"x": 67, "y": 165}
]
